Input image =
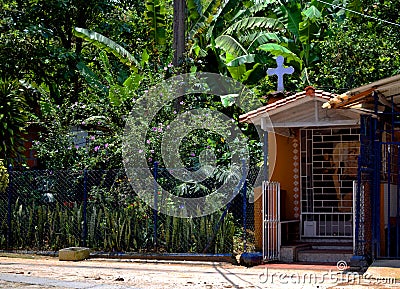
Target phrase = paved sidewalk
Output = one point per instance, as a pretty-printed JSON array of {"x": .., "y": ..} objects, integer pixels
[
  {"x": 18, "y": 271},
  {"x": 385, "y": 269}
]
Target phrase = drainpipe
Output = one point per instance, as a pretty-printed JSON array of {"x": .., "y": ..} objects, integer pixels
[{"x": 265, "y": 149}]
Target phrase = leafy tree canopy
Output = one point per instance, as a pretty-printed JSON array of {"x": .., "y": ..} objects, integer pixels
[
  {"x": 360, "y": 49},
  {"x": 67, "y": 61}
]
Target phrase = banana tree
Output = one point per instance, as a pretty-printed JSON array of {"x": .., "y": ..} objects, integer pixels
[
  {"x": 206, "y": 21},
  {"x": 252, "y": 36},
  {"x": 289, "y": 31},
  {"x": 155, "y": 16},
  {"x": 117, "y": 93}
]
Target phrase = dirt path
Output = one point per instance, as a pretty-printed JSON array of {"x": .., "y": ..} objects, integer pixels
[
  {"x": 26, "y": 271},
  {"x": 133, "y": 273}
]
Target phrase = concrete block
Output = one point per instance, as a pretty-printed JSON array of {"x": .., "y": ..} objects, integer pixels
[
  {"x": 251, "y": 259},
  {"x": 288, "y": 254},
  {"x": 323, "y": 256},
  {"x": 73, "y": 254}
]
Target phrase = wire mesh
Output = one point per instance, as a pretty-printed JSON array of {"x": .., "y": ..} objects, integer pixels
[
  {"x": 50, "y": 210},
  {"x": 44, "y": 209}
]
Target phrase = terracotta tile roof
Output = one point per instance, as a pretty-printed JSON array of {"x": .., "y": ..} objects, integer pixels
[
  {"x": 388, "y": 90},
  {"x": 323, "y": 95}
]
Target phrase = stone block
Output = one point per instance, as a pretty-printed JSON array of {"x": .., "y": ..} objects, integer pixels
[
  {"x": 288, "y": 254},
  {"x": 73, "y": 254},
  {"x": 251, "y": 259}
]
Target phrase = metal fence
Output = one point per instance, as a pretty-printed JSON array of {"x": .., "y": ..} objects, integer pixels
[{"x": 49, "y": 210}]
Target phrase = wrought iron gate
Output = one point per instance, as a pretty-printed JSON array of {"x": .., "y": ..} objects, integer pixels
[
  {"x": 358, "y": 219},
  {"x": 271, "y": 221},
  {"x": 386, "y": 199},
  {"x": 328, "y": 169},
  {"x": 377, "y": 206}
]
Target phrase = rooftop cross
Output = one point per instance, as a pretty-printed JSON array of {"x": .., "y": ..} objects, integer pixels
[{"x": 280, "y": 71}]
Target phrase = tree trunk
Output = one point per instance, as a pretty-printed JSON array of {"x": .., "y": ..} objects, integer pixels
[{"x": 179, "y": 32}]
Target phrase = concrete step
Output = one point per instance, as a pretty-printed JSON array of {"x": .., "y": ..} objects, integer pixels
[
  {"x": 327, "y": 240},
  {"x": 324, "y": 255},
  {"x": 333, "y": 246},
  {"x": 289, "y": 252}
]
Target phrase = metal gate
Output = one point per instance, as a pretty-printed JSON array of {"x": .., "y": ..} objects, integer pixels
[
  {"x": 328, "y": 169},
  {"x": 358, "y": 219},
  {"x": 386, "y": 197},
  {"x": 377, "y": 208},
  {"x": 271, "y": 221}
]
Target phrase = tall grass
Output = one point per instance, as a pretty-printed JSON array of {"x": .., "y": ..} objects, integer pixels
[
  {"x": 47, "y": 213},
  {"x": 125, "y": 228},
  {"x": 44, "y": 227}
]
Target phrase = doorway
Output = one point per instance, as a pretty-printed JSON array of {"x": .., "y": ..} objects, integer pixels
[{"x": 328, "y": 170}]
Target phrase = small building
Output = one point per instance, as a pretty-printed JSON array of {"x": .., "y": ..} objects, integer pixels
[{"x": 312, "y": 203}]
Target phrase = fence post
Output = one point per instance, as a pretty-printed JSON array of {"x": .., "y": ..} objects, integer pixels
[
  {"x": 244, "y": 194},
  {"x": 244, "y": 207},
  {"x": 155, "y": 207},
  {"x": 84, "y": 214},
  {"x": 9, "y": 212}
]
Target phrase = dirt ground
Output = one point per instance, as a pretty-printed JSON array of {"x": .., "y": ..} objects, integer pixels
[{"x": 27, "y": 271}]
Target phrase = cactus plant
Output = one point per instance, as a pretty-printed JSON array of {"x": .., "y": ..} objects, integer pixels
[{"x": 3, "y": 177}]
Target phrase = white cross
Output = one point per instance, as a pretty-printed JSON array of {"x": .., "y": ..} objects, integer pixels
[{"x": 280, "y": 71}]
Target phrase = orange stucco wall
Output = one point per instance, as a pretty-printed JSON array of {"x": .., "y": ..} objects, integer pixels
[
  {"x": 282, "y": 171},
  {"x": 258, "y": 219}
]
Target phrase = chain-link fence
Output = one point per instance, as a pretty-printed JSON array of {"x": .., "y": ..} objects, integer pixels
[{"x": 49, "y": 210}]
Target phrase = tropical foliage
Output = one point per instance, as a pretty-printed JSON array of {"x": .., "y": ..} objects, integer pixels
[
  {"x": 106, "y": 54},
  {"x": 48, "y": 213},
  {"x": 246, "y": 39},
  {"x": 14, "y": 114},
  {"x": 75, "y": 69},
  {"x": 360, "y": 49},
  {"x": 3, "y": 177}
]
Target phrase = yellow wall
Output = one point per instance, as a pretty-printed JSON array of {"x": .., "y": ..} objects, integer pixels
[
  {"x": 281, "y": 170},
  {"x": 258, "y": 219}
]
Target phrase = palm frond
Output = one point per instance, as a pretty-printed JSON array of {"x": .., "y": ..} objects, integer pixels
[
  {"x": 248, "y": 58},
  {"x": 251, "y": 23},
  {"x": 155, "y": 15},
  {"x": 291, "y": 17},
  {"x": 276, "y": 50},
  {"x": 206, "y": 18},
  {"x": 251, "y": 11},
  {"x": 230, "y": 44},
  {"x": 263, "y": 38},
  {"x": 108, "y": 45}
]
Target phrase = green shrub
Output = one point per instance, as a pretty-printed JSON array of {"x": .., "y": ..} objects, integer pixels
[{"x": 3, "y": 177}]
